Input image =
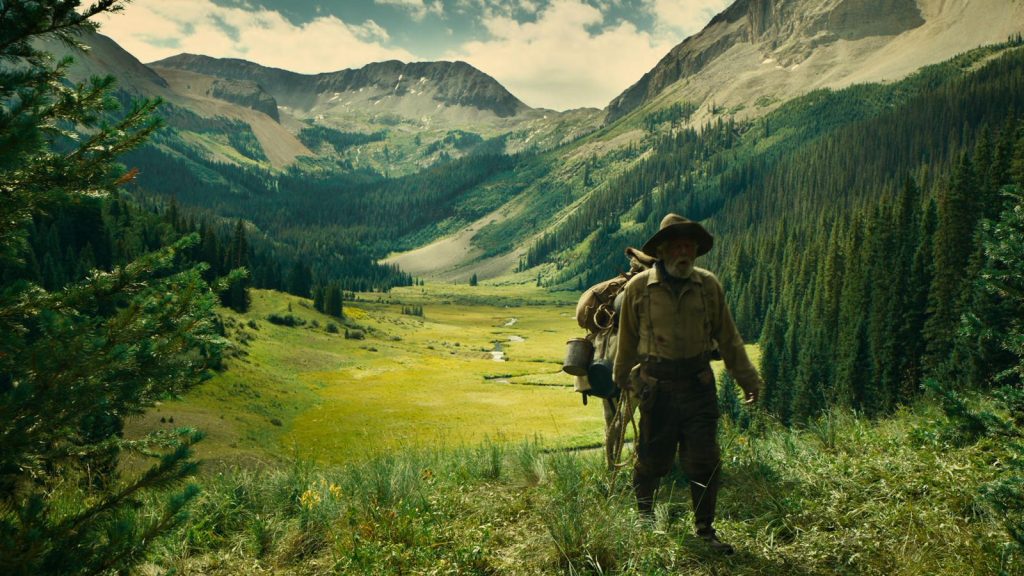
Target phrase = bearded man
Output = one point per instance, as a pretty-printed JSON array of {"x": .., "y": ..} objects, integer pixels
[{"x": 673, "y": 317}]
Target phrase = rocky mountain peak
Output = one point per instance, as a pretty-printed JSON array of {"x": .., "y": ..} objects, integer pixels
[
  {"x": 785, "y": 32},
  {"x": 450, "y": 83}
]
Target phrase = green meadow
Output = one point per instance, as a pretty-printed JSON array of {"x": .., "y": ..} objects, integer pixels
[
  {"x": 481, "y": 363},
  {"x": 392, "y": 443}
]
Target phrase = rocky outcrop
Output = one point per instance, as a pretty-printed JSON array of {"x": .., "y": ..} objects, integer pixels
[
  {"x": 245, "y": 93},
  {"x": 786, "y": 31},
  {"x": 451, "y": 83}
]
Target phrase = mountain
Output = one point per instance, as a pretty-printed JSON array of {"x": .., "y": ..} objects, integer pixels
[
  {"x": 426, "y": 111},
  {"x": 739, "y": 90},
  {"x": 203, "y": 106},
  {"x": 398, "y": 86},
  {"x": 759, "y": 53},
  {"x": 105, "y": 57},
  {"x": 393, "y": 117}
]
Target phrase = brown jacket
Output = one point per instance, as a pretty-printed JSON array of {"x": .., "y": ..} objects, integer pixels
[{"x": 655, "y": 321}]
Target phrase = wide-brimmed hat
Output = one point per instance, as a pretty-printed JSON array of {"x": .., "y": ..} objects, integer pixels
[{"x": 674, "y": 226}]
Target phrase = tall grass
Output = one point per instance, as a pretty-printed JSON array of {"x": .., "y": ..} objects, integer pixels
[{"x": 844, "y": 496}]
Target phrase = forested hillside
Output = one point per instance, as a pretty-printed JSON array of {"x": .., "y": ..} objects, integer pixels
[
  {"x": 848, "y": 227},
  {"x": 334, "y": 219}
]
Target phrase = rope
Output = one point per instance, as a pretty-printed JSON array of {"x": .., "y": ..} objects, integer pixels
[{"x": 624, "y": 406}]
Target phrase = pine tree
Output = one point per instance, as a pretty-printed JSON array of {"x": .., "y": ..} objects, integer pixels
[
  {"x": 318, "y": 298},
  {"x": 300, "y": 279},
  {"x": 1003, "y": 277},
  {"x": 853, "y": 365},
  {"x": 1017, "y": 159},
  {"x": 332, "y": 300},
  {"x": 79, "y": 357},
  {"x": 237, "y": 296},
  {"x": 954, "y": 245},
  {"x": 916, "y": 313}
]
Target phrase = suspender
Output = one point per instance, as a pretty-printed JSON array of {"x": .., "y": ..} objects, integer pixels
[{"x": 704, "y": 307}]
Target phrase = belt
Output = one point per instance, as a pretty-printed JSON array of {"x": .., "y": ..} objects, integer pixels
[{"x": 679, "y": 369}]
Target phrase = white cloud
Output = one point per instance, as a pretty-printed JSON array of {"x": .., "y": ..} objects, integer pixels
[
  {"x": 370, "y": 31},
  {"x": 556, "y": 63},
  {"x": 679, "y": 18},
  {"x": 155, "y": 29},
  {"x": 527, "y": 6},
  {"x": 417, "y": 8},
  {"x": 557, "y": 60}
]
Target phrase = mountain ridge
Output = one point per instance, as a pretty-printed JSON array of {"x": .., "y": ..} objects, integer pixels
[
  {"x": 456, "y": 83},
  {"x": 779, "y": 50}
]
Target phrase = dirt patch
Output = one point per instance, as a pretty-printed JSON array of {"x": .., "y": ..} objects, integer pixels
[{"x": 454, "y": 258}]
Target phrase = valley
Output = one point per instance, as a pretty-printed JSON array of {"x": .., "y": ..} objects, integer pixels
[
  {"x": 380, "y": 381},
  {"x": 263, "y": 322}
]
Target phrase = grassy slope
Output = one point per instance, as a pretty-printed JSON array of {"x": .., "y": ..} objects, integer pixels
[
  {"x": 407, "y": 453},
  {"x": 845, "y": 496}
]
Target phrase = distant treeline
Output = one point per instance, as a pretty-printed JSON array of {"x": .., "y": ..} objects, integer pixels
[
  {"x": 338, "y": 222},
  {"x": 314, "y": 136}
]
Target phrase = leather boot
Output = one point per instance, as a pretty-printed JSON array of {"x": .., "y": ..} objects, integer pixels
[
  {"x": 644, "y": 488},
  {"x": 716, "y": 545},
  {"x": 705, "y": 499}
]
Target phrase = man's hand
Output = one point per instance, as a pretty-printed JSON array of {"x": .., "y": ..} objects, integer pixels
[{"x": 751, "y": 396}]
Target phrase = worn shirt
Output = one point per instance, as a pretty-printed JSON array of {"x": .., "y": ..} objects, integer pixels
[{"x": 675, "y": 322}]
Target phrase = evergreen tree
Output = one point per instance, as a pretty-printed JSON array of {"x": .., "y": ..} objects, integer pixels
[
  {"x": 332, "y": 300},
  {"x": 953, "y": 245},
  {"x": 300, "y": 279},
  {"x": 237, "y": 296},
  {"x": 318, "y": 298},
  {"x": 1003, "y": 278},
  {"x": 76, "y": 358}
]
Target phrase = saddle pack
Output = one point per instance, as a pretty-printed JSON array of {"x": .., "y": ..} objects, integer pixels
[{"x": 592, "y": 357}]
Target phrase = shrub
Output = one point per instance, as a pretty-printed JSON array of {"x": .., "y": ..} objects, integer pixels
[{"x": 285, "y": 320}]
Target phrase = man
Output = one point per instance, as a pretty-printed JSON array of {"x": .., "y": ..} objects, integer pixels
[{"x": 673, "y": 317}]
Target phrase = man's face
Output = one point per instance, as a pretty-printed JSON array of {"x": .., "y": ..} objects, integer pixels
[{"x": 678, "y": 254}]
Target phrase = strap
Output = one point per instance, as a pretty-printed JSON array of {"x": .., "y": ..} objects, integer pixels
[{"x": 704, "y": 286}]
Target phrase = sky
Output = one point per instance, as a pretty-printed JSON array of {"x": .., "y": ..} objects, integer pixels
[{"x": 556, "y": 54}]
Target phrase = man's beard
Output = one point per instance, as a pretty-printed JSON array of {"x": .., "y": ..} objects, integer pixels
[{"x": 681, "y": 268}]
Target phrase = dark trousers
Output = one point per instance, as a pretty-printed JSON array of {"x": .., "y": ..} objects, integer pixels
[{"x": 679, "y": 417}]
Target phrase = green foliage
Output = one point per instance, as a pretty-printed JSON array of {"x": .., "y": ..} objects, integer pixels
[
  {"x": 457, "y": 139},
  {"x": 1003, "y": 277},
  {"x": 413, "y": 310},
  {"x": 236, "y": 257},
  {"x": 246, "y": 143},
  {"x": 94, "y": 346},
  {"x": 285, "y": 320},
  {"x": 729, "y": 404},
  {"x": 678, "y": 113},
  {"x": 332, "y": 300},
  {"x": 314, "y": 136}
]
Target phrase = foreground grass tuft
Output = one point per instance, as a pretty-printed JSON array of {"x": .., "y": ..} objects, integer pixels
[{"x": 844, "y": 496}]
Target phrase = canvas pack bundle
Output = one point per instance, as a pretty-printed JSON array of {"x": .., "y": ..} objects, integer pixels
[{"x": 597, "y": 313}]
